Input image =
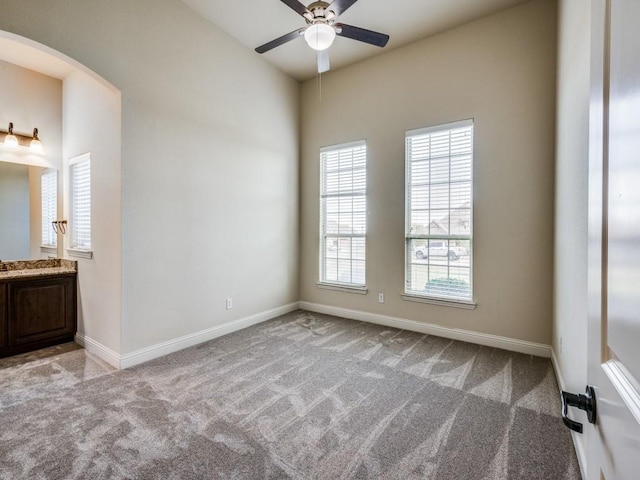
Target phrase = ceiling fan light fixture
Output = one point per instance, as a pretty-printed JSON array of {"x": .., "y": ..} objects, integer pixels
[{"x": 319, "y": 36}]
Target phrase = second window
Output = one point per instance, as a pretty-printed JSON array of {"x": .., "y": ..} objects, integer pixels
[{"x": 343, "y": 214}]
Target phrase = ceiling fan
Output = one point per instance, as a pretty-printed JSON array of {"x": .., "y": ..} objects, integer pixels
[{"x": 322, "y": 29}]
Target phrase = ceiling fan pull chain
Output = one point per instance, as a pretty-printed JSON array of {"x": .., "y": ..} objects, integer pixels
[{"x": 319, "y": 82}]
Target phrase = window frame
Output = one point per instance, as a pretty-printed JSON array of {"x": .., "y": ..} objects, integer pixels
[
  {"x": 323, "y": 280},
  {"x": 411, "y": 294},
  {"x": 84, "y": 249}
]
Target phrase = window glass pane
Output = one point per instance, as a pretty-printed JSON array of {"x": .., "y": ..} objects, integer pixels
[
  {"x": 418, "y": 277},
  {"x": 332, "y": 205},
  {"x": 49, "y": 199},
  {"x": 331, "y": 223},
  {"x": 344, "y": 248},
  {"x": 331, "y": 270},
  {"x": 439, "y": 198},
  {"x": 419, "y": 172},
  {"x": 358, "y": 272},
  {"x": 344, "y": 271},
  {"x": 439, "y": 224},
  {"x": 343, "y": 214},
  {"x": 80, "y": 180},
  {"x": 359, "y": 223},
  {"x": 461, "y": 168},
  {"x": 439, "y": 211},
  {"x": 420, "y": 195},
  {"x": 439, "y": 170},
  {"x": 419, "y": 221},
  {"x": 358, "y": 248},
  {"x": 331, "y": 248}
]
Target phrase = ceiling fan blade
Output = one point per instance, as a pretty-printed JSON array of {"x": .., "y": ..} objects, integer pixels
[
  {"x": 362, "y": 34},
  {"x": 323, "y": 60},
  {"x": 340, "y": 6},
  {"x": 280, "y": 40},
  {"x": 297, "y": 6}
]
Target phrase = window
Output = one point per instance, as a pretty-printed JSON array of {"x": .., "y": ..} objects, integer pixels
[
  {"x": 343, "y": 210},
  {"x": 49, "y": 200},
  {"x": 80, "y": 198},
  {"x": 439, "y": 212}
]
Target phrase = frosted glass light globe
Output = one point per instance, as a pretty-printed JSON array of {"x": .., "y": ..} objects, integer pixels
[
  {"x": 319, "y": 36},
  {"x": 11, "y": 141}
]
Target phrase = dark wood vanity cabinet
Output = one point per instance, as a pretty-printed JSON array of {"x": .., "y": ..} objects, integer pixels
[{"x": 37, "y": 312}]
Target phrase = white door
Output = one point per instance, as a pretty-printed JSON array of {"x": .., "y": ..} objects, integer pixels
[{"x": 614, "y": 241}]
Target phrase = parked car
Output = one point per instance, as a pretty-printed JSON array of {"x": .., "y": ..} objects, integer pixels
[{"x": 440, "y": 248}]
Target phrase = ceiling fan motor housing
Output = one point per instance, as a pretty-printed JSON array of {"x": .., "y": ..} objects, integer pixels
[{"x": 319, "y": 13}]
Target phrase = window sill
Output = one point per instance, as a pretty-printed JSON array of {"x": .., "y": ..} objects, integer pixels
[
  {"x": 343, "y": 288},
  {"x": 438, "y": 301},
  {"x": 76, "y": 252},
  {"x": 49, "y": 249}
]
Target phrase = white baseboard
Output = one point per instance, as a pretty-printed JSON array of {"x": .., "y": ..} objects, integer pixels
[
  {"x": 97, "y": 349},
  {"x": 180, "y": 343},
  {"x": 155, "y": 351},
  {"x": 578, "y": 442},
  {"x": 149, "y": 353},
  {"x": 511, "y": 344}
]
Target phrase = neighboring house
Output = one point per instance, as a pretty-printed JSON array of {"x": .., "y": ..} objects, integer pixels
[{"x": 456, "y": 223}]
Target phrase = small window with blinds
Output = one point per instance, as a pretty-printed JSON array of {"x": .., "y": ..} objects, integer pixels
[
  {"x": 439, "y": 212},
  {"x": 343, "y": 214},
  {"x": 49, "y": 203},
  {"x": 80, "y": 202}
]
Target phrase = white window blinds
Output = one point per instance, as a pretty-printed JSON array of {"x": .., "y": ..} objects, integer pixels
[
  {"x": 49, "y": 201},
  {"x": 80, "y": 196},
  {"x": 343, "y": 207},
  {"x": 439, "y": 211}
]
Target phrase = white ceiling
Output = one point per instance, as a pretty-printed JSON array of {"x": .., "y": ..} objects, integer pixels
[{"x": 255, "y": 22}]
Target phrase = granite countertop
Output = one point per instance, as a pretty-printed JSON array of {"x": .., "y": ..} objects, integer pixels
[{"x": 37, "y": 268}]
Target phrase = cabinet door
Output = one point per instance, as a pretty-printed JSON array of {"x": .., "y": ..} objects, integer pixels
[
  {"x": 41, "y": 309},
  {"x": 3, "y": 316}
]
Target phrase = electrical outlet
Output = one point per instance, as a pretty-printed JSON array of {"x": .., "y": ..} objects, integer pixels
[
  {"x": 381, "y": 297},
  {"x": 229, "y": 303}
]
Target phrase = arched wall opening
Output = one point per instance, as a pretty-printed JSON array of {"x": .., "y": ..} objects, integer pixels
[{"x": 87, "y": 120}]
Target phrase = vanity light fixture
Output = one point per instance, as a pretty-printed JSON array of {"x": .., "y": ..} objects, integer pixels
[
  {"x": 17, "y": 140},
  {"x": 11, "y": 140}
]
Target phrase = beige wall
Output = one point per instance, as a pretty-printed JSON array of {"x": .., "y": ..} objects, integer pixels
[
  {"x": 209, "y": 161},
  {"x": 92, "y": 115},
  {"x": 500, "y": 71},
  {"x": 32, "y": 100},
  {"x": 570, "y": 306}
]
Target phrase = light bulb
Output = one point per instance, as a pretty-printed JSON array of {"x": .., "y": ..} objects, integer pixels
[
  {"x": 319, "y": 36},
  {"x": 36, "y": 144},
  {"x": 11, "y": 140}
]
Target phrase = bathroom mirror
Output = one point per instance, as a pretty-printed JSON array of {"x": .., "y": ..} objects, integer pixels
[{"x": 21, "y": 226}]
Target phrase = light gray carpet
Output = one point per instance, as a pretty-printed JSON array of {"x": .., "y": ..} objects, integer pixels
[{"x": 303, "y": 396}]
